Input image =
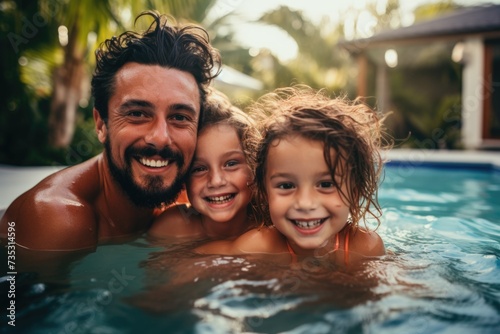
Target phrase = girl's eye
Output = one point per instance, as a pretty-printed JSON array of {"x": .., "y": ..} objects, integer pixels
[
  {"x": 285, "y": 186},
  {"x": 232, "y": 163},
  {"x": 326, "y": 184},
  {"x": 198, "y": 169}
]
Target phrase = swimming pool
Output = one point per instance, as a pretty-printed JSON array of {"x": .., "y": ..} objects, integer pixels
[{"x": 442, "y": 226}]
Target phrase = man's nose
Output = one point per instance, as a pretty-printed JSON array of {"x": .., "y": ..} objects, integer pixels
[{"x": 159, "y": 134}]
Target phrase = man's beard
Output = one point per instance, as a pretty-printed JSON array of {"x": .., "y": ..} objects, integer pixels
[{"x": 153, "y": 194}]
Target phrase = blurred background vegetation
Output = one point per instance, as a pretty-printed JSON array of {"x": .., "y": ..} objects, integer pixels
[{"x": 48, "y": 58}]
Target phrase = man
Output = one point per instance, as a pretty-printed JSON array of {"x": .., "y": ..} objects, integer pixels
[{"x": 148, "y": 90}]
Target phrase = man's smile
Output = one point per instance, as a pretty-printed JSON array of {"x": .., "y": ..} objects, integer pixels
[{"x": 153, "y": 163}]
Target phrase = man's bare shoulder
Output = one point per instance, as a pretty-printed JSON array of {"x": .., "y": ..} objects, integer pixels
[
  {"x": 58, "y": 212},
  {"x": 177, "y": 221},
  {"x": 82, "y": 180}
]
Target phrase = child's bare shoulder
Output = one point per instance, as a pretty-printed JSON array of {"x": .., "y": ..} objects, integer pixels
[
  {"x": 261, "y": 240},
  {"x": 366, "y": 243},
  {"x": 255, "y": 241},
  {"x": 179, "y": 220}
]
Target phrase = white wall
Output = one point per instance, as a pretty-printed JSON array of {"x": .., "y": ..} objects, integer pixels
[{"x": 472, "y": 93}]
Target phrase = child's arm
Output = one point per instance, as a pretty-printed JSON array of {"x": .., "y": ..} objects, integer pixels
[
  {"x": 177, "y": 221},
  {"x": 263, "y": 240}
]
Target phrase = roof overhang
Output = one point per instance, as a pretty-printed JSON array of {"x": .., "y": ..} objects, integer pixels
[{"x": 481, "y": 21}]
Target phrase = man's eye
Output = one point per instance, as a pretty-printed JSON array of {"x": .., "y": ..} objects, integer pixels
[
  {"x": 136, "y": 113},
  {"x": 179, "y": 117},
  {"x": 285, "y": 186}
]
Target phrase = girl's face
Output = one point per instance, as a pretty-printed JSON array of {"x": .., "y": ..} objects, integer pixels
[
  {"x": 218, "y": 184},
  {"x": 304, "y": 204}
]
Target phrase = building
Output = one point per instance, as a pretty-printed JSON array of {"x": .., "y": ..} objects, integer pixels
[{"x": 472, "y": 36}]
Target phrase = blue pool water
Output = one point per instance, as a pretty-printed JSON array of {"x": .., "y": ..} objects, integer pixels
[{"x": 441, "y": 227}]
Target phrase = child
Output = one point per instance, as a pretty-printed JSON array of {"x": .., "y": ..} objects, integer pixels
[
  {"x": 218, "y": 187},
  {"x": 318, "y": 167}
]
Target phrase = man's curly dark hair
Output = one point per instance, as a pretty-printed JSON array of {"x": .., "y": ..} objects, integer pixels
[{"x": 185, "y": 48}]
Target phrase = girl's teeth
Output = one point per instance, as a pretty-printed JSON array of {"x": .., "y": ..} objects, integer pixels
[
  {"x": 308, "y": 224},
  {"x": 153, "y": 163},
  {"x": 220, "y": 199}
]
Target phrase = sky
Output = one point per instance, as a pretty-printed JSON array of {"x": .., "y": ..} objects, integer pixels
[{"x": 258, "y": 36}]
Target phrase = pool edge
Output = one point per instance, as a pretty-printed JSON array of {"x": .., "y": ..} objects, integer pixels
[{"x": 475, "y": 160}]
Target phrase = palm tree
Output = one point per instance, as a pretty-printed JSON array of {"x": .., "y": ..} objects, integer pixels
[{"x": 80, "y": 25}]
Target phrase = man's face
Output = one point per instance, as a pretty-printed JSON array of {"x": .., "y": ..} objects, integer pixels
[{"x": 150, "y": 136}]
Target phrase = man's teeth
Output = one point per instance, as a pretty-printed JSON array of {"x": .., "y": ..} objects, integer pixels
[
  {"x": 220, "y": 199},
  {"x": 153, "y": 163},
  {"x": 309, "y": 223}
]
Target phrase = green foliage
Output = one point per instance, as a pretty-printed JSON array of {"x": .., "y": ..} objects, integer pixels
[
  {"x": 431, "y": 10},
  {"x": 23, "y": 114},
  {"x": 85, "y": 144}
]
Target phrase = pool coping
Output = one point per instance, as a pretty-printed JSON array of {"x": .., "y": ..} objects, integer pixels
[{"x": 478, "y": 160}]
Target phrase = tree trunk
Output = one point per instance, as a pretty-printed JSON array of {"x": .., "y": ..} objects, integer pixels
[{"x": 66, "y": 94}]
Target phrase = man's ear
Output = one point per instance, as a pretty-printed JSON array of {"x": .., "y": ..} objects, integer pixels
[{"x": 100, "y": 127}]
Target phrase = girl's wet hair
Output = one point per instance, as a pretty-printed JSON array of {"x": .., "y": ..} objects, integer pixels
[
  {"x": 164, "y": 43},
  {"x": 350, "y": 129}
]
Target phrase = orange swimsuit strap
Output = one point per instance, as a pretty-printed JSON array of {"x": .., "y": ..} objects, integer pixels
[{"x": 346, "y": 247}]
